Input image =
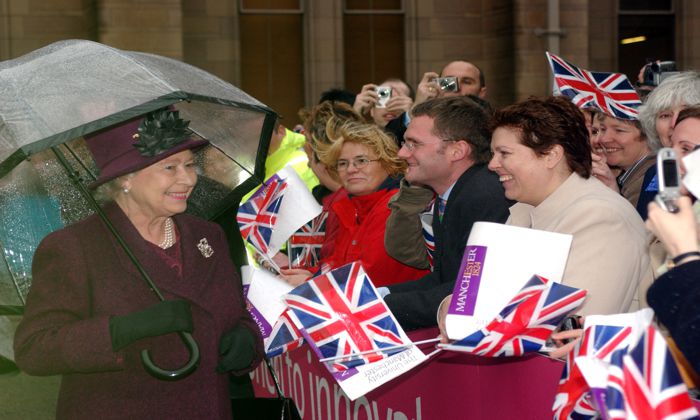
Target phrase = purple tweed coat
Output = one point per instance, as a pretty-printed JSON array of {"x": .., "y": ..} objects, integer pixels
[{"x": 82, "y": 278}]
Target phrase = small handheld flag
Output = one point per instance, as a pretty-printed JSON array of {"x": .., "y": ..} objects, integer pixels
[
  {"x": 342, "y": 313},
  {"x": 524, "y": 325},
  {"x": 257, "y": 216},
  {"x": 611, "y": 93}
]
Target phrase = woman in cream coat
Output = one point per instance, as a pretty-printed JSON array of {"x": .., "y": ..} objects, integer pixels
[{"x": 543, "y": 158}]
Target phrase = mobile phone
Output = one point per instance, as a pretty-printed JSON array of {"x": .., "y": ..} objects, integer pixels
[
  {"x": 668, "y": 174},
  {"x": 571, "y": 322},
  {"x": 384, "y": 93}
]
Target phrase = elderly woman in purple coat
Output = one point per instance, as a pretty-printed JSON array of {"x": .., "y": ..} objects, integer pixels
[{"x": 89, "y": 313}]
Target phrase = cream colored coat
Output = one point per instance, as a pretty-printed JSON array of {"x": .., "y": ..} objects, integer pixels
[{"x": 608, "y": 255}]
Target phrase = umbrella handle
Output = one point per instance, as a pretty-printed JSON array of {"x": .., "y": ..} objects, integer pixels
[{"x": 173, "y": 375}]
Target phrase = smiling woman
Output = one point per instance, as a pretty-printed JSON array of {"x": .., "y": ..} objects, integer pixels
[
  {"x": 364, "y": 160},
  {"x": 627, "y": 147},
  {"x": 89, "y": 314},
  {"x": 542, "y": 156}
]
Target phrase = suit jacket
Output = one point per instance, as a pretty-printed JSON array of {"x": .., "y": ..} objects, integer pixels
[
  {"x": 608, "y": 255},
  {"x": 82, "y": 277},
  {"x": 476, "y": 196}
]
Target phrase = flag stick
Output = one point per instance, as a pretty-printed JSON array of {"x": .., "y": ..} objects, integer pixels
[
  {"x": 350, "y": 356},
  {"x": 434, "y": 352}
]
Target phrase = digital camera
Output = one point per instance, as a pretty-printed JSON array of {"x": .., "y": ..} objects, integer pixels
[
  {"x": 669, "y": 176},
  {"x": 448, "y": 84},
  {"x": 384, "y": 93},
  {"x": 656, "y": 71}
]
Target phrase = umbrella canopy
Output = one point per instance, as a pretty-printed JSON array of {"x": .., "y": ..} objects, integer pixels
[
  {"x": 54, "y": 96},
  {"x": 71, "y": 88}
]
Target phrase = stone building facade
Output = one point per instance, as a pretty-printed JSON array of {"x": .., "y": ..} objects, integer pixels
[{"x": 286, "y": 52}]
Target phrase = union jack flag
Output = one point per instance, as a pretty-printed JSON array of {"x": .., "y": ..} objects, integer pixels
[
  {"x": 644, "y": 382},
  {"x": 612, "y": 93},
  {"x": 343, "y": 315},
  {"x": 305, "y": 245},
  {"x": 285, "y": 336},
  {"x": 526, "y": 323},
  {"x": 257, "y": 216},
  {"x": 573, "y": 399}
]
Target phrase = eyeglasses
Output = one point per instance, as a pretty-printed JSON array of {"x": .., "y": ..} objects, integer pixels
[
  {"x": 358, "y": 163},
  {"x": 412, "y": 145}
]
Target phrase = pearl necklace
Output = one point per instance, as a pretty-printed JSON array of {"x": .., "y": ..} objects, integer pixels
[{"x": 169, "y": 238}]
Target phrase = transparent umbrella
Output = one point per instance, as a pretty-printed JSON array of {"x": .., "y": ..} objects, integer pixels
[{"x": 54, "y": 96}]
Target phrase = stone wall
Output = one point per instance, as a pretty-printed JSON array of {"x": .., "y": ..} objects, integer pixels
[{"x": 503, "y": 37}]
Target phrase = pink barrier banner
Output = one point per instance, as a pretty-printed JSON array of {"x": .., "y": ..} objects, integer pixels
[{"x": 449, "y": 386}]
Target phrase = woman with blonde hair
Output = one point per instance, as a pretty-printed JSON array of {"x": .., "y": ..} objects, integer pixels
[{"x": 363, "y": 158}]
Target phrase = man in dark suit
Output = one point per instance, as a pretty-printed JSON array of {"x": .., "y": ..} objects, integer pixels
[{"x": 447, "y": 148}]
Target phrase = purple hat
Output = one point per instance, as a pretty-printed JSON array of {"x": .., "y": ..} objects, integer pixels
[{"x": 138, "y": 143}]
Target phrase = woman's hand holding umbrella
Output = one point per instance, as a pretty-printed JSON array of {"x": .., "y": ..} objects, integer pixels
[{"x": 164, "y": 317}]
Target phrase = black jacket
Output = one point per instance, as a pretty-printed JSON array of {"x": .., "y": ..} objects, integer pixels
[
  {"x": 477, "y": 196},
  {"x": 674, "y": 297}
]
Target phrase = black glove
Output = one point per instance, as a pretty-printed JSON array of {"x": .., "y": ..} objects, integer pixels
[
  {"x": 162, "y": 318},
  {"x": 237, "y": 350}
]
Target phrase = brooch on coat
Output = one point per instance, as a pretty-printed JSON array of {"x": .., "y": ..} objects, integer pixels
[{"x": 205, "y": 248}]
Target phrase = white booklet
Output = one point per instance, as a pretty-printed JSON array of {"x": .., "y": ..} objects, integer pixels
[
  {"x": 264, "y": 294},
  {"x": 498, "y": 260}
]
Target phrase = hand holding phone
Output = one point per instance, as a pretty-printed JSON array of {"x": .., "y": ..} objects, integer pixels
[
  {"x": 563, "y": 339},
  {"x": 571, "y": 322},
  {"x": 668, "y": 174}
]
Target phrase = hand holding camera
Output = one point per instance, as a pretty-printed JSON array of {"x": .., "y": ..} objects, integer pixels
[
  {"x": 656, "y": 71},
  {"x": 398, "y": 104},
  {"x": 427, "y": 88},
  {"x": 671, "y": 217},
  {"x": 366, "y": 99}
]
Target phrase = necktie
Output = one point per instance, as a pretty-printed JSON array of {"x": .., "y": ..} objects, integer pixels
[{"x": 442, "y": 203}]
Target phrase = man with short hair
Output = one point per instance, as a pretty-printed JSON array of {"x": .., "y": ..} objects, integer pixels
[{"x": 447, "y": 148}]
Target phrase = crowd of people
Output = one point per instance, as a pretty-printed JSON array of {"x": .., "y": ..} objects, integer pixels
[
  {"x": 402, "y": 177},
  {"x": 542, "y": 163}
]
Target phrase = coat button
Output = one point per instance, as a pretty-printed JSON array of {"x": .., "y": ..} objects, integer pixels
[{"x": 354, "y": 242}]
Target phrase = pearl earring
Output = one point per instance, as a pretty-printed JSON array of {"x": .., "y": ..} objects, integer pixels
[{"x": 126, "y": 190}]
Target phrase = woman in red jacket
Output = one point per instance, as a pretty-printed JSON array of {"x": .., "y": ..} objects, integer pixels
[{"x": 364, "y": 159}]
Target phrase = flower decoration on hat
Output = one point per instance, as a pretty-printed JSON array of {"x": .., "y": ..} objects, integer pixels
[{"x": 160, "y": 131}]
